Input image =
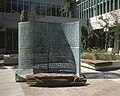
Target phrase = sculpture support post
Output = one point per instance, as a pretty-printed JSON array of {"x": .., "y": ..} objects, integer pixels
[{"x": 25, "y": 59}]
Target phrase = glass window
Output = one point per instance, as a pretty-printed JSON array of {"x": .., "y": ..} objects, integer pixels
[
  {"x": 20, "y": 6},
  {"x": 58, "y": 10},
  {"x": 15, "y": 39},
  {"x": 100, "y": 8},
  {"x": 14, "y": 6},
  {"x": 53, "y": 10},
  {"x": 97, "y": 9},
  {"x": 111, "y": 5},
  {"x": 42, "y": 5},
  {"x": 92, "y": 11},
  {"x": 8, "y": 6},
  {"x": 89, "y": 3},
  {"x": 85, "y": 14},
  {"x": 42, "y": 9},
  {"x": 95, "y": 2},
  {"x": 2, "y": 5},
  {"x": 62, "y": 11},
  {"x": 101, "y": 0},
  {"x": 119, "y": 3},
  {"x": 33, "y": 6},
  {"x": 82, "y": 6},
  {"x": 82, "y": 15},
  {"x": 37, "y": 5},
  {"x": 86, "y": 4},
  {"x": 8, "y": 39},
  {"x": 104, "y": 7},
  {"x": 49, "y": 10},
  {"x": 89, "y": 12},
  {"x": 92, "y": 3},
  {"x": 108, "y": 6},
  {"x": 116, "y": 4},
  {"x": 26, "y": 5}
]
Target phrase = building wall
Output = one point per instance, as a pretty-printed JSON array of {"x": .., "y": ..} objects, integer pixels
[
  {"x": 91, "y": 10},
  {"x": 95, "y": 21},
  {"x": 51, "y": 7},
  {"x": 10, "y": 13}
]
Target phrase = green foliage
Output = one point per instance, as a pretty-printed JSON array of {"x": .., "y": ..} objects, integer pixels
[
  {"x": 97, "y": 54},
  {"x": 1, "y": 25},
  {"x": 68, "y": 7},
  {"x": 86, "y": 35},
  {"x": 87, "y": 55}
]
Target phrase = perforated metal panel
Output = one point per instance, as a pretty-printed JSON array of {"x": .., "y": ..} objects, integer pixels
[{"x": 49, "y": 47}]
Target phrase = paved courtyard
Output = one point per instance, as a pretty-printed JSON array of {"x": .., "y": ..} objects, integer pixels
[{"x": 98, "y": 84}]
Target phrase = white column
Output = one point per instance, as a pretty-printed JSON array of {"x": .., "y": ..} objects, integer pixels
[
  {"x": 79, "y": 12},
  {"x": 106, "y": 6},
  {"x": 88, "y": 9},
  {"x": 83, "y": 10},
  {"x": 102, "y": 8},
  {"x": 114, "y": 4},
  {"x": 118, "y": 4},
  {"x": 110, "y": 5},
  {"x": 99, "y": 9}
]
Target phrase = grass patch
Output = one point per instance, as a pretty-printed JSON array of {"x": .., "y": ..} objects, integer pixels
[{"x": 97, "y": 54}]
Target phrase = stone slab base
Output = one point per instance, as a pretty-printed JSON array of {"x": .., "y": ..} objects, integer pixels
[
  {"x": 11, "y": 59},
  {"x": 55, "y": 79},
  {"x": 101, "y": 65}
]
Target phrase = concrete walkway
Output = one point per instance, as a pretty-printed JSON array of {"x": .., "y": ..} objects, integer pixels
[
  {"x": 95, "y": 87},
  {"x": 8, "y": 86}
]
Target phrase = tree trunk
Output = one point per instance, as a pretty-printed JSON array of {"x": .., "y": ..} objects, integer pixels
[
  {"x": 106, "y": 40},
  {"x": 116, "y": 43}
]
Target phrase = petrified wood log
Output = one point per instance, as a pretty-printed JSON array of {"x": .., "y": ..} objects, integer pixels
[{"x": 55, "y": 79}]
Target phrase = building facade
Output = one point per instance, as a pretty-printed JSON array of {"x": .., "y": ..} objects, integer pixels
[
  {"x": 92, "y": 10},
  {"x": 10, "y": 12}
]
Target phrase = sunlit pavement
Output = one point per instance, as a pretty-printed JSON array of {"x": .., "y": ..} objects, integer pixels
[{"x": 98, "y": 84}]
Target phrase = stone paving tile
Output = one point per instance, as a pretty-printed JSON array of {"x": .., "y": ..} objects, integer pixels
[
  {"x": 8, "y": 85},
  {"x": 95, "y": 87}
]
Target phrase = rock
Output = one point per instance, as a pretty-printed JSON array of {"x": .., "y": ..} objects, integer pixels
[{"x": 55, "y": 79}]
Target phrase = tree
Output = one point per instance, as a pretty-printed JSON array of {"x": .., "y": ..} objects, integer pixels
[
  {"x": 1, "y": 25},
  {"x": 68, "y": 7},
  {"x": 104, "y": 23},
  {"x": 86, "y": 35},
  {"x": 116, "y": 30},
  {"x": 113, "y": 30},
  {"x": 34, "y": 14},
  {"x": 30, "y": 4}
]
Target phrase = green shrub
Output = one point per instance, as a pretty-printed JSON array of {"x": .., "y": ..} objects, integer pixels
[
  {"x": 98, "y": 54},
  {"x": 87, "y": 55}
]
